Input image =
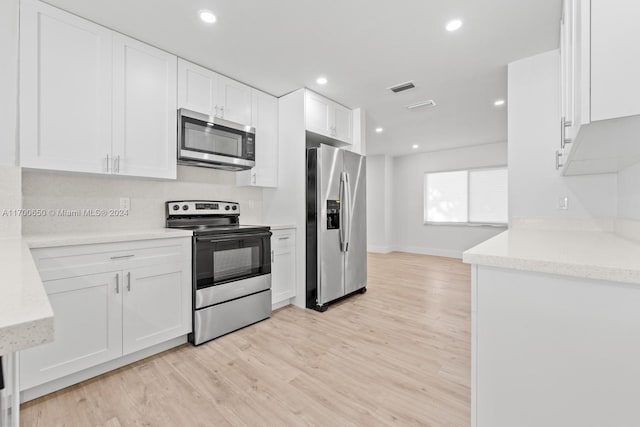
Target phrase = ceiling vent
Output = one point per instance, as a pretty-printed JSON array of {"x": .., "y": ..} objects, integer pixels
[
  {"x": 423, "y": 104},
  {"x": 402, "y": 87}
]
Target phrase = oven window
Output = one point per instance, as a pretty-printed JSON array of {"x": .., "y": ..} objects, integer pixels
[
  {"x": 226, "y": 260},
  {"x": 211, "y": 139},
  {"x": 239, "y": 262}
]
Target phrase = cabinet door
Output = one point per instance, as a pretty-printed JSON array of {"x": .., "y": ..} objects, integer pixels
[
  {"x": 65, "y": 90},
  {"x": 342, "y": 124},
  {"x": 87, "y": 324},
  {"x": 264, "y": 115},
  {"x": 197, "y": 88},
  {"x": 317, "y": 114},
  {"x": 283, "y": 268},
  {"x": 615, "y": 59},
  {"x": 144, "y": 110},
  {"x": 157, "y": 305},
  {"x": 235, "y": 100}
]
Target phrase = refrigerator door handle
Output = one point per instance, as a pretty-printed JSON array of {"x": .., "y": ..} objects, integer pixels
[
  {"x": 348, "y": 212},
  {"x": 341, "y": 216}
]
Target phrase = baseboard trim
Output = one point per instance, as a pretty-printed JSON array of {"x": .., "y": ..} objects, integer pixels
[
  {"x": 447, "y": 253},
  {"x": 78, "y": 377},
  {"x": 379, "y": 249},
  {"x": 280, "y": 304}
]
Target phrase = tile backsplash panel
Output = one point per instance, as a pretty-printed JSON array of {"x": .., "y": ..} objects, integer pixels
[
  {"x": 53, "y": 191},
  {"x": 10, "y": 201}
]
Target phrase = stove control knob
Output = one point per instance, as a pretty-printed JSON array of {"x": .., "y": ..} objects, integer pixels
[
  {"x": 185, "y": 207},
  {"x": 235, "y": 208},
  {"x": 176, "y": 207},
  {"x": 226, "y": 208}
]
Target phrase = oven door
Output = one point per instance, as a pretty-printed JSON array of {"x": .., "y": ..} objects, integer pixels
[
  {"x": 211, "y": 141},
  {"x": 226, "y": 258}
]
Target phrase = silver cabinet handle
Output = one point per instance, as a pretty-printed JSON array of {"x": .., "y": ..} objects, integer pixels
[
  {"x": 123, "y": 256},
  {"x": 283, "y": 238},
  {"x": 217, "y": 114},
  {"x": 559, "y": 164},
  {"x": 129, "y": 281},
  {"x": 117, "y": 166},
  {"x": 117, "y": 283},
  {"x": 564, "y": 124},
  {"x": 272, "y": 256},
  {"x": 222, "y": 112},
  {"x": 108, "y": 163},
  {"x": 253, "y": 178}
]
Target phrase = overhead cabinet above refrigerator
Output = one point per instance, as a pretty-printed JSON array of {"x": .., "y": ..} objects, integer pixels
[{"x": 336, "y": 225}]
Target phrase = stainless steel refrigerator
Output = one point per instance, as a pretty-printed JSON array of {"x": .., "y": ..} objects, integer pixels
[{"x": 336, "y": 225}]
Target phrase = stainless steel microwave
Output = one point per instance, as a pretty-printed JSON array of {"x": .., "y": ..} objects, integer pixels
[{"x": 214, "y": 142}]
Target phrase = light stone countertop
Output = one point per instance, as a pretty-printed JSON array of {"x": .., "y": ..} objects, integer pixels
[
  {"x": 590, "y": 254},
  {"x": 84, "y": 238},
  {"x": 26, "y": 317}
]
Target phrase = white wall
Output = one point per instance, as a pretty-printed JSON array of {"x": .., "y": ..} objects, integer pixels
[
  {"x": 379, "y": 190},
  {"x": 410, "y": 234},
  {"x": 629, "y": 193},
  {"x": 53, "y": 190},
  {"x": 535, "y": 186},
  {"x": 10, "y": 185}
]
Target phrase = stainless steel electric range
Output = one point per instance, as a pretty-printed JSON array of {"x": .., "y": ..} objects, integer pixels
[{"x": 231, "y": 267}]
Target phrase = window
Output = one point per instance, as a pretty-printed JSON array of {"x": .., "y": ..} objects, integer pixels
[{"x": 477, "y": 196}]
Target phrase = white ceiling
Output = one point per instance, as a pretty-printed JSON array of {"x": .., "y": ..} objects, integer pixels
[{"x": 362, "y": 47}]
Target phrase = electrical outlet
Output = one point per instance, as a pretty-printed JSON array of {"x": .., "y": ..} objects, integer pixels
[
  {"x": 563, "y": 203},
  {"x": 125, "y": 203}
]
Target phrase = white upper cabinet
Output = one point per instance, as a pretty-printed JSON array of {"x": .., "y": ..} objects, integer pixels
[
  {"x": 197, "y": 88},
  {"x": 144, "y": 109},
  {"x": 328, "y": 118},
  {"x": 600, "y": 62},
  {"x": 317, "y": 114},
  {"x": 615, "y": 59},
  {"x": 92, "y": 100},
  {"x": 65, "y": 90},
  {"x": 264, "y": 113},
  {"x": 208, "y": 92},
  {"x": 234, "y": 100}
]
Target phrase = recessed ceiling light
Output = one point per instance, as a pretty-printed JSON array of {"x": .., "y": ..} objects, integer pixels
[
  {"x": 207, "y": 16},
  {"x": 379, "y": 130},
  {"x": 454, "y": 25},
  {"x": 322, "y": 80},
  {"x": 499, "y": 102},
  {"x": 414, "y": 146}
]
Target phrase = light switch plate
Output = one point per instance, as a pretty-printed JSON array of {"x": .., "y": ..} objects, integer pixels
[
  {"x": 125, "y": 203},
  {"x": 563, "y": 203}
]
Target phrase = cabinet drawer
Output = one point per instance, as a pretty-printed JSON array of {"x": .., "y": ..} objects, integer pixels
[
  {"x": 283, "y": 239},
  {"x": 73, "y": 261}
]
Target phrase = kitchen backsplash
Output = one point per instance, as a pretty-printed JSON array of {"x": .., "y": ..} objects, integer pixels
[
  {"x": 64, "y": 202},
  {"x": 10, "y": 202}
]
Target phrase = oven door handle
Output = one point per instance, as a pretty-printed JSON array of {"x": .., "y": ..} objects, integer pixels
[{"x": 234, "y": 236}]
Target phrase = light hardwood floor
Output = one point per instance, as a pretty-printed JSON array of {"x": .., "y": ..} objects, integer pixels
[{"x": 397, "y": 355}]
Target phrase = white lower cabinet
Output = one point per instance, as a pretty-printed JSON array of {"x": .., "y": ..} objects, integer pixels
[
  {"x": 109, "y": 300},
  {"x": 283, "y": 265},
  {"x": 157, "y": 305},
  {"x": 87, "y": 325}
]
